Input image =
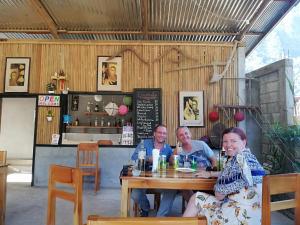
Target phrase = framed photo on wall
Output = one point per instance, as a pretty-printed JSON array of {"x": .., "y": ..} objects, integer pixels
[
  {"x": 191, "y": 108},
  {"x": 109, "y": 74},
  {"x": 16, "y": 74}
]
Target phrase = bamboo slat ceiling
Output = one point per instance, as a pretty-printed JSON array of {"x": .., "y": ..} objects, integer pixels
[{"x": 154, "y": 20}]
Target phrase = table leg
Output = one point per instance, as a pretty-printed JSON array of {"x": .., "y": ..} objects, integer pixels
[{"x": 125, "y": 199}]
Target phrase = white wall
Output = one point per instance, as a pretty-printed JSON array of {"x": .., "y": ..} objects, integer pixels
[{"x": 17, "y": 127}]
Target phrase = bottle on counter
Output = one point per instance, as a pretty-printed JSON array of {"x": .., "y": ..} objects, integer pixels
[
  {"x": 88, "y": 107},
  {"x": 76, "y": 122},
  {"x": 96, "y": 122},
  {"x": 96, "y": 109},
  {"x": 102, "y": 122}
]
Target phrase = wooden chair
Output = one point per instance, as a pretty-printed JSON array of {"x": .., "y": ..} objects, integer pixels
[
  {"x": 98, "y": 220},
  {"x": 105, "y": 142},
  {"x": 280, "y": 184},
  {"x": 2, "y": 157},
  {"x": 156, "y": 201},
  {"x": 68, "y": 176},
  {"x": 87, "y": 161}
]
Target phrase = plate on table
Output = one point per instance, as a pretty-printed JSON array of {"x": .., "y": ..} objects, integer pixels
[{"x": 185, "y": 170}]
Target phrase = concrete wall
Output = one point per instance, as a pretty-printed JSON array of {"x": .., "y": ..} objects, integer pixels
[
  {"x": 270, "y": 91},
  {"x": 111, "y": 161}
]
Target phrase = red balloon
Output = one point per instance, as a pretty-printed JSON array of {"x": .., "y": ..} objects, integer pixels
[
  {"x": 213, "y": 116},
  {"x": 239, "y": 116}
]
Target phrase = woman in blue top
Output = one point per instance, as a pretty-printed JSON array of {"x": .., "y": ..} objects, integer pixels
[{"x": 238, "y": 189}]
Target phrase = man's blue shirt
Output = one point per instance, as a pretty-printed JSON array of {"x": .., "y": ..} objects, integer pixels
[{"x": 149, "y": 145}]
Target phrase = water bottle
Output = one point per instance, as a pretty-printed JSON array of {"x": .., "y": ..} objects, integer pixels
[
  {"x": 142, "y": 156},
  {"x": 194, "y": 164},
  {"x": 163, "y": 163},
  {"x": 222, "y": 159}
]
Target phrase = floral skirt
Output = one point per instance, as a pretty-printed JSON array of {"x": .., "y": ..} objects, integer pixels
[{"x": 243, "y": 208}]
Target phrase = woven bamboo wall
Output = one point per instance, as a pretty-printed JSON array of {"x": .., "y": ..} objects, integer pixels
[
  {"x": 144, "y": 65},
  {"x": 46, "y": 128}
]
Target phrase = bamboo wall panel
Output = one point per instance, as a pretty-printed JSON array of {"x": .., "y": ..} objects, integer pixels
[
  {"x": 144, "y": 65},
  {"x": 45, "y": 128}
]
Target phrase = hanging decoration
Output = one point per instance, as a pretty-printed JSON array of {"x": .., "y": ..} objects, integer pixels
[
  {"x": 127, "y": 100},
  {"x": 111, "y": 108},
  {"x": 98, "y": 98},
  {"x": 239, "y": 116},
  {"x": 123, "y": 110},
  {"x": 213, "y": 116}
]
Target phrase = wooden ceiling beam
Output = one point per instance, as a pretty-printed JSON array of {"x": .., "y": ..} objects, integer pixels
[
  {"x": 256, "y": 15},
  {"x": 121, "y": 32},
  {"x": 40, "y": 10},
  {"x": 145, "y": 18}
]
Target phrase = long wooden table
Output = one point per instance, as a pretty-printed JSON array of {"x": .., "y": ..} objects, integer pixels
[
  {"x": 3, "y": 175},
  {"x": 169, "y": 179}
]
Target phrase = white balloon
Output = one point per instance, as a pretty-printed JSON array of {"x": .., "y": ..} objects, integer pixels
[{"x": 98, "y": 98}]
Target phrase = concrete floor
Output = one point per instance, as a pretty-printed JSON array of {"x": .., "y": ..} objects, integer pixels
[{"x": 27, "y": 205}]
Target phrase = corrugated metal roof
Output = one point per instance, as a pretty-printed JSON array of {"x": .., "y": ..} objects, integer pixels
[{"x": 163, "y": 20}]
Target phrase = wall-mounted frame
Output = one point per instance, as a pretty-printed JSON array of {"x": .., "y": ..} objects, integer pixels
[
  {"x": 191, "y": 108},
  {"x": 109, "y": 74},
  {"x": 16, "y": 77}
]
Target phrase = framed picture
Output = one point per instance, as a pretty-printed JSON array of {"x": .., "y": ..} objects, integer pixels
[
  {"x": 16, "y": 74},
  {"x": 191, "y": 108},
  {"x": 109, "y": 74}
]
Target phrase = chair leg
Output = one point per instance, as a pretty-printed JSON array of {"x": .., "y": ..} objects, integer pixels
[
  {"x": 51, "y": 210},
  {"x": 96, "y": 182}
]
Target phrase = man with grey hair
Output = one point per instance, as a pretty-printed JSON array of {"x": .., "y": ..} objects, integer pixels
[{"x": 193, "y": 151}]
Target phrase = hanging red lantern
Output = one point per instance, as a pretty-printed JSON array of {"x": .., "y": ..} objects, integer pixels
[
  {"x": 239, "y": 116},
  {"x": 213, "y": 116}
]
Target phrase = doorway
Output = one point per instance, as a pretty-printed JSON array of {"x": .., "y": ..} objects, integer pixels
[{"x": 17, "y": 133}]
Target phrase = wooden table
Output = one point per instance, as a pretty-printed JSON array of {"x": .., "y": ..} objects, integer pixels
[
  {"x": 3, "y": 175},
  {"x": 170, "y": 179}
]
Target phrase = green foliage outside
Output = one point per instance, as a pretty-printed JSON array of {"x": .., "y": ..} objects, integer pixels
[{"x": 283, "y": 154}]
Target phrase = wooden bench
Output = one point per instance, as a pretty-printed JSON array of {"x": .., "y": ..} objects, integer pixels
[{"x": 99, "y": 220}]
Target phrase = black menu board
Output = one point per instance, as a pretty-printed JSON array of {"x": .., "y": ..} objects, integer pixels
[{"x": 147, "y": 112}]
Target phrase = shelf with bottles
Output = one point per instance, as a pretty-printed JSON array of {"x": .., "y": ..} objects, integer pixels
[
  {"x": 91, "y": 127},
  {"x": 96, "y": 113}
]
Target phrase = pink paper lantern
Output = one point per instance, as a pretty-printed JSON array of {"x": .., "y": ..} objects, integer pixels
[{"x": 123, "y": 110}]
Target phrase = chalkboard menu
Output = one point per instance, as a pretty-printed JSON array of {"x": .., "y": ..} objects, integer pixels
[{"x": 147, "y": 112}]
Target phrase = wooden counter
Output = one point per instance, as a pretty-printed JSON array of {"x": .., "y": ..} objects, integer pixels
[{"x": 3, "y": 175}]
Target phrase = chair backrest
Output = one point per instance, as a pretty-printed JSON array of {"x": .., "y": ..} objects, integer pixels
[
  {"x": 87, "y": 155},
  {"x": 105, "y": 142},
  {"x": 68, "y": 176},
  {"x": 2, "y": 157},
  {"x": 280, "y": 184},
  {"x": 98, "y": 220}
]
